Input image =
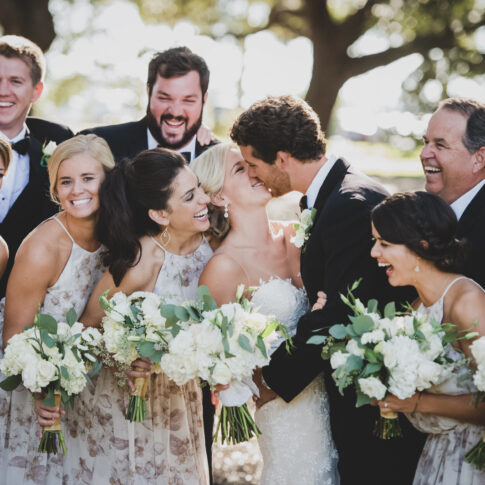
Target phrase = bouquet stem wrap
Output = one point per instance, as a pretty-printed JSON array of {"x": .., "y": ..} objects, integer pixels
[
  {"x": 235, "y": 421},
  {"x": 52, "y": 437},
  {"x": 137, "y": 406},
  {"x": 476, "y": 456},
  {"x": 387, "y": 426}
]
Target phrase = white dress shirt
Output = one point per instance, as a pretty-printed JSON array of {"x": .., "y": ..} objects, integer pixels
[
  {"x": 190, "y": 147},
  {"x": 317, "y": 182},
  {"x": 460, "y": 204},
  {"x": 16, "y": 179}
]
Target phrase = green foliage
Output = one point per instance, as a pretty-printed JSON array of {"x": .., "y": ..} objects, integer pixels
[{"x": 10, "y": 383}]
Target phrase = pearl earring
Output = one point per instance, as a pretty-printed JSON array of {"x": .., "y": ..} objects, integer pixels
[
  {"x": 226, "y": 211},
  {"x": 416, "y": 268}
]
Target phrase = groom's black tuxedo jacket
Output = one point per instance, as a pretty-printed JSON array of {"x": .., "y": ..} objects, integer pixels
[
  {"x": 33, "y": 205},
  {"x": 472, "y": 227},
  {"x": 337, "y": 254},
  {"x": 128, "y": 139}
]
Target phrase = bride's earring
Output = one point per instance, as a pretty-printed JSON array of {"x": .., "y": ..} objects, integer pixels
[
  {"x": 416, "y": 268},
  {"x": 165, "y": 237},
  {"x": 226, "y": 211}
]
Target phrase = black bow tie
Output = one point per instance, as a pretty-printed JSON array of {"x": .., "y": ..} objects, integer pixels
[
  {"x": 303, "y": 203},
  {"x": 187, "y": 156},
  {"x": 21, "y": 146}
]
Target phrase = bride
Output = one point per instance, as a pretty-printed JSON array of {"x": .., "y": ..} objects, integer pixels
[{"x": 258, "y": 252}]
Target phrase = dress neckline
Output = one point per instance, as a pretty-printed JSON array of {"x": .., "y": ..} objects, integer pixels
[
  {"x": 74, "y": 243},
  {"x": 203, "y": 240}
]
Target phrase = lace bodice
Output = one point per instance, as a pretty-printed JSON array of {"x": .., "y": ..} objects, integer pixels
[
  {"x": 178, "y": 279},
  {"x": 282, "y": 299}
]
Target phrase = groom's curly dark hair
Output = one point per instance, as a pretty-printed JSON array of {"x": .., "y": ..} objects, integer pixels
[{"x": 280, "y": 123}]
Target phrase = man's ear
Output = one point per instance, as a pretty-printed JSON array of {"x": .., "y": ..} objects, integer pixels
[
  {"x": 204, "y": 98},
  {"x": 219, "y": 199},
  {"x": 38, "y": 88},
  {"x": 479, "y": 161},
  {"x": 159, "y": 216},
  {"x": 283, "y": 160}
]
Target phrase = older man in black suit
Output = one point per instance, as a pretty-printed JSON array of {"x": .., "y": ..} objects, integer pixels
[
  {"x": 177, "y": 91},
  {"x": 24, "y": 199},
  {"x": 453, "y": 159},
  {"x": 281, "y": 140}
]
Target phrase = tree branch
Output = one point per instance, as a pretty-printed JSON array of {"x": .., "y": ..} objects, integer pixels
[{"x": 420, "y": 45}]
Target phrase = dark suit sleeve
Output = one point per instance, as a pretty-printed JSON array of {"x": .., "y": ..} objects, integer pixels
[{"x": 341, "y": 254}]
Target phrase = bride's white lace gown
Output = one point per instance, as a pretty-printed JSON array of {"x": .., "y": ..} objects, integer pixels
[
  {"x": 296, "y": 441},
  {"x": 441, "y": 462}
]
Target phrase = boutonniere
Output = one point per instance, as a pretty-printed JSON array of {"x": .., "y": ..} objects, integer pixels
[
  {"x": 303, "y": 228},
  {"x": 47, "y": 150}
]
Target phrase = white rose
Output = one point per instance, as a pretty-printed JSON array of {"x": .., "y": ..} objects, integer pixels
[
  {"x": 428, "y": 374},
  {"x": 207, "y": 337},
  {"x": 306, "y": 217},
  {"x": 478, "y": 350},
  {"x": 49, "y": 148},
  {"x": 299, "y": 238},
  {"x": 338, "y": 359},
  {"x": 373, "y": 387},
  {"x": 221, "y": 374},
  {"x": 92, "y": 336},
  {"x": 353, "y": 347}
]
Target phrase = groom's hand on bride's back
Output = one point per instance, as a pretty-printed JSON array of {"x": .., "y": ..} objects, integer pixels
[
  {"x": 321, "y": 300},
  {"x": 265, "y": 393}
]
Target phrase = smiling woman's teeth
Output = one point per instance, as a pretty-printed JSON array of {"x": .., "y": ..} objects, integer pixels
[
  {"x": 80, "y": 202},
  {"x": 383, "y": 265},
  {"x": 202, "y": 214}
]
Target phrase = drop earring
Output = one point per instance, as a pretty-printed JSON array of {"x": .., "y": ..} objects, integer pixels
[
  {"x": 226, "y": 211},
  {"x": 416, "y": 268},
  {"x": 165, "y": 237}
]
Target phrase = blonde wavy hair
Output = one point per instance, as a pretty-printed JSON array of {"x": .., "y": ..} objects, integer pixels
[
  {"x": 93, "y": 145},
  {"x": 210, "y": 168},
  {"x": 5, "y": 152}
]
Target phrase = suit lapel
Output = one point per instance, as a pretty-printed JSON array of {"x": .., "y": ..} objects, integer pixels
[
  {"x": 139, "y": 140},
  {"x": 333, "y": 178},
  {"x": 474, "y": 210}
]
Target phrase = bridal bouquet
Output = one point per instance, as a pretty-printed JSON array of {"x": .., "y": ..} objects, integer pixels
[
  {"x": 134, "y": 328},
  {"x": 396, "y": 353},
  {"x": 52, "y": 358},
  {"x": 476, "y": 456},
  {"x": 220, "y": 345}
]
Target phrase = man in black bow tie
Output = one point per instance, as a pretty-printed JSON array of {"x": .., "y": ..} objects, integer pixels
[
  {"x": 177, "y": 92},
  {"x": 283, "y": 145},
  {"x": 24, "y": 200}
]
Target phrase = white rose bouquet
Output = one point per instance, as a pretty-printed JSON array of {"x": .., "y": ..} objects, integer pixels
[
  {"x": 54, "y": 359},
  {"x": 134, "y": 328},
  {"x": 476, "y": 456},
  {"x": 220, "y": 345},
  {"x": 398, "y": 353}
]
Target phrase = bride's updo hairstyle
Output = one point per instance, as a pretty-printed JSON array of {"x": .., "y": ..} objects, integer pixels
[
  {"x": 425, "y": 224},
  {"x": 131, "y": 189},
  {"x": 210, "y": 168}
]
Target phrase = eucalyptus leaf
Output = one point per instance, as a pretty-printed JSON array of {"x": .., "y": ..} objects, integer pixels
[
  {"x": 48, "y": 323},
  {"x": 168, "y": 311},
  {"x": 354, "y": 362},
  {"x": 363, "y": 399},
  {"x": 244, "y": 343},
  {"x": 64, "y": 372},
  {"x": 146, "y": 349},
  {"x": 181, "y": 313},
  {"x": 49, "y": 399},
  {"x": 370, "y": 369},
  {"x": 260, "y": 345},
  {"x": 372, "y": 306},
  {"x": 10, "y": 383},
  {"x": 71, "y": 317},
  {"x": 47, "y": 339},
  {"x": 316, "y": 340},
  {"x": 390, "y": 310},
  {"x": 363, "y": 324},
  {"x": 338, "y": 331},
  {"x": 194, "y": 313},
  {"x": 209, "y": 303}
]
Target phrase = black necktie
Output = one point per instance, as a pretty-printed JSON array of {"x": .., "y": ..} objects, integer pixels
[
  {"x": 303, "y": 203},
  {"x": 21, "y": 146},
  {"x": 187, "y": 156}
]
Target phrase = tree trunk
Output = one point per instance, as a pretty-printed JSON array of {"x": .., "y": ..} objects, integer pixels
[{"x": 29, "y": 18}]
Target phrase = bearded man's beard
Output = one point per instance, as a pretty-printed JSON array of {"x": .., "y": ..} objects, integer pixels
[{"x": 155, "y": 129}]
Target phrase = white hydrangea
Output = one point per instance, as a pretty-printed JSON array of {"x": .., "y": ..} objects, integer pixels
[{"x": 373, "y": 337}]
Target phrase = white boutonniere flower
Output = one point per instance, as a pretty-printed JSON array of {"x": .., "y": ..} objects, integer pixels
[
  {"x": 47, "y": 150},
  {"x": 303, "y": 228}
]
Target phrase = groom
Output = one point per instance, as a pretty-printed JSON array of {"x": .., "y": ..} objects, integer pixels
[{"x": 282, "y": 142}]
